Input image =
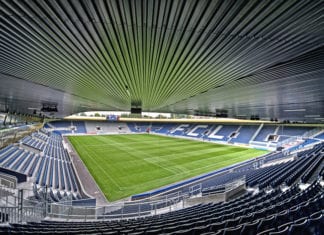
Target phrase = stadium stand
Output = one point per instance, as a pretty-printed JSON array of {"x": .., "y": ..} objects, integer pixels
[
  {"x": 245, "y": 134},
  {"x": 104, "y": 127},
  {"x": 265, "y": 132},
  {"x": 160, "y": 128},
  {"x": 320, "y": 136},
  {"x": 248, "y": 214},
  {"x": 225, "y": 131},
  {"x": 257, "y": 135},
  {"x": 242, "y": 76},
  {"x": 258, "y": 173},
  {"x": 283, "y": 192},
  {"x": 67, "y": 127},
  {"x": 50, "y": 166}
]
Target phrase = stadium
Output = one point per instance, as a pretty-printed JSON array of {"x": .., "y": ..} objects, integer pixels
[{"x": 161, "y": 117}]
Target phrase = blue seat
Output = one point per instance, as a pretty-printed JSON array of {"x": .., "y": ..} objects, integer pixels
[
  {"x": 282, "y": 218},
  {"x": 266, "y": 232},
  {"x": 321, "y": 200},
  {"x": 232, "y": 222},
  {"x": 266, "y": 223},
  {"x": 233, "y": 230},
  {"x": 305, "y": 209},
  {"x": 228, "y": 216},
  {"x": 154, "y": 231},
  {"x": 246, "y": 219},
  {"x": 132, "y": 233},
  {"x": 250, "y": 228},
  {"x": 283, "y": 231},
  {"x": 200, "y": 229},
  {"x": 294, "y": 214},
  {"x": 315, "y": 226},
  {"x": 316, "y": 215},
  {"x": 259, "y": 214},
  {"x": 213, "y": 233},
  {"x": 298, "y": 227},
  {"x": 217, "y": 226},
  {"x": 183, "y": 231}
]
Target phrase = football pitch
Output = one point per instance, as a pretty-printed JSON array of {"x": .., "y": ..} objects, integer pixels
[{"x": 123, "y": 165}]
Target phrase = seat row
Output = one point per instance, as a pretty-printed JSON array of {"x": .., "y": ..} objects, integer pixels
[{"x": 249, "y": 214}]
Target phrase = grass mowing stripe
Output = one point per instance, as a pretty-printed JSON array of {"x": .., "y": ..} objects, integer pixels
[
  {"x": 137, "y": 153},
  {"x": 89, "y": 156},
  {"x": 124, "y": 165}
]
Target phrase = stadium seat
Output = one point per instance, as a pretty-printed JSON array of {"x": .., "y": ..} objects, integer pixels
[
  {"x": 250, "y": 228},
  {"x": 233, "y": 230},
  {"x": 232, "y": 222},
  {"x": 316, "y": 215},
  {"x": 266, "y": 223},
  {"x": 266, "y": 232},
  {"x": 246, "y": 218},
  {"x": 281, "y": 231},
  {"x": 298, "y": 227},
  {"x": 217, "y": 226},
  {"x": 314, "y": 226}
]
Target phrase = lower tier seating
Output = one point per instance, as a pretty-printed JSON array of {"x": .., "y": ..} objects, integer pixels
[{"x": 293, "y": 211}]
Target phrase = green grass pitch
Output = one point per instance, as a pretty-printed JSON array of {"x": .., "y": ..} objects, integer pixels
[{"x": 123, "y": 165}]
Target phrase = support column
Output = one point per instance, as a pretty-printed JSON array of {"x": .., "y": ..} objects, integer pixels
[
  {"x": 20, "y": 205},
  {"x": 5, "y": 119}
]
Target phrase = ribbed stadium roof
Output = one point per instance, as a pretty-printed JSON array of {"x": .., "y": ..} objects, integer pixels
[{"x": 248, "y": 57}]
